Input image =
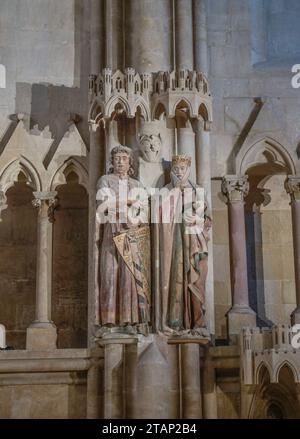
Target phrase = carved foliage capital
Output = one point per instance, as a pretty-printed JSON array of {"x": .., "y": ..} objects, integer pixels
[
  {"x": 235, "y": 187},
  {"x": 46, "y": 203},
  {"x": 292, "y": 186}
]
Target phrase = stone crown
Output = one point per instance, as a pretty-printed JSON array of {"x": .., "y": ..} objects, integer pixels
[{"x": 181, "y": 159}]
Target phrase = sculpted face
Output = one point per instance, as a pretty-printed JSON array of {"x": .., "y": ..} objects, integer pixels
[
  {"x": 121, "y": 163},
  {"x": 180, "y": 170},
  {"x": 150, "y": 145}
]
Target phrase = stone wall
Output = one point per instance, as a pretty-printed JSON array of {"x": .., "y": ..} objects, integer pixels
[
  {"x": 18, "y": 264},
  {"x": 70, "y": 255}
]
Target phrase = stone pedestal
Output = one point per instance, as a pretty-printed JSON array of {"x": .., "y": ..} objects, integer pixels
[
  {"x": 240, "y": 317},
  {"x": 41, "y": 337},
  {"x": 120, "y": 361}
]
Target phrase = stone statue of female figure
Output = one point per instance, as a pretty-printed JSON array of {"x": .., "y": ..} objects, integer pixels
[
  {"x": 125, "y": 246},
  {"x": 184, "y": 252}
]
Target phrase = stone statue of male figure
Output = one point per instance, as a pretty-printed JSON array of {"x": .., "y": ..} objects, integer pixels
[{"x": 125, "y": 247}]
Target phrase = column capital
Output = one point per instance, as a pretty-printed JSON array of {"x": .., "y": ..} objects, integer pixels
[
  {"x": 235, "y": 187},
  {"x": 292, "y": 186},
  {"x": 199, "y": 124},
  {"x": 46, "y": 202}
]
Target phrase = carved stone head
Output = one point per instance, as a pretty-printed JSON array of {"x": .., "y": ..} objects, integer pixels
[{"x": 150, "y": 145}]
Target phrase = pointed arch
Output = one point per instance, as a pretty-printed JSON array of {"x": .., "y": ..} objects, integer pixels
[
  {"x": 204, "y": 112},
  {"x": 183, "y": 102},
  {"x": 141, "y": 103},
  {"x": 265, "y": 151},
  {"x": 290, "y": 366},
  {"x": 158, "y": 111},
  {"x": 111, "y": 104},
  {"x": 61, "y": 174},
  {"x": 10, "y": 174},
  {"x": 261, "y": 370},
  {"x": 95, "y": 111}
]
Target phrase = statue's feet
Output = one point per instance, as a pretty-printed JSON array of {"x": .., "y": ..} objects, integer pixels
[
  {"x": 167, "y": 330},
  {"x": 143, "y": 329},
  {"x": 201, "y": 332},
  {"x": 105, "y": 329}
]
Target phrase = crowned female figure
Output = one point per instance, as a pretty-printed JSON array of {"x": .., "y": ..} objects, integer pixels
[{"x": 185, "y": 223}]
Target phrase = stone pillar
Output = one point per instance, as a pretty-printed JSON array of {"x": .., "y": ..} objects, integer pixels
[
  {"x": 210, "y": 405},
  {"x": 114, "y": 34},
  {"x": 96, "y": 162},
  {"x": 174, "y": 370},
  {"x": 96, "y": 169},
  {"x": 200, "y": 37},
  {"x": 191, "y": 406},
  {"x": 184, "y": 34},
  {"x": 120, "y": 372},
  {"x": 235, "y": 188},
  {"x": 41, "y": 334},
  {"x": 96, "y": 40},
  {"x": 203, "y": 178},
  {"x": 292, "y": 186},
  {"x": 148, "y": 35},
  {"x": 95, "y": 387}
]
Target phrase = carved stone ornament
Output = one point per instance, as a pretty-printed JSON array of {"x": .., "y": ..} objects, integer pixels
[
  {"x": 235, "y": 187},
  {"x": 292, "y": 186},
  {"x": 150, "y": 146},
  {"x": 46, "y": 202}
]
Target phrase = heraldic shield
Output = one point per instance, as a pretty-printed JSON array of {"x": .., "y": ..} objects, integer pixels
[{"x": 134, "y": 248}]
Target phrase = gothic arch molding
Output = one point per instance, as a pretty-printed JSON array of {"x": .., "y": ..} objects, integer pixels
[
  {"x": 258, "y": 376},
  {"x": 61, "y": 174},
  {"x": 10, "y": 174},
  {"x": 265, "y": 151},
  {"x": 290, "y": 366}
]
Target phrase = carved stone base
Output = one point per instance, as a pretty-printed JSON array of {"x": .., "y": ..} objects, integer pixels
[
  {"x": 115, "y": 331},
  {"x": 240, "y": 317},
  {"x": 198, "y": 336},
  {"x": 41, "y": 337}
]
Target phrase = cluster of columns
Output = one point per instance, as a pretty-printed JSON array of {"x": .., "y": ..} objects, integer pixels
[
  {"x": 188, "y": 397},
  {"x": 236, "y": 188}
]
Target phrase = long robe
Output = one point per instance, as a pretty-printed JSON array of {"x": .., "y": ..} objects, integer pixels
[
  {"x": 122, "y": 296},
  {"x": 184, "y": 260}
]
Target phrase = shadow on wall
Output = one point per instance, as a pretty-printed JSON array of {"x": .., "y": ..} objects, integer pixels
[{"x": 53, "y": 105}]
